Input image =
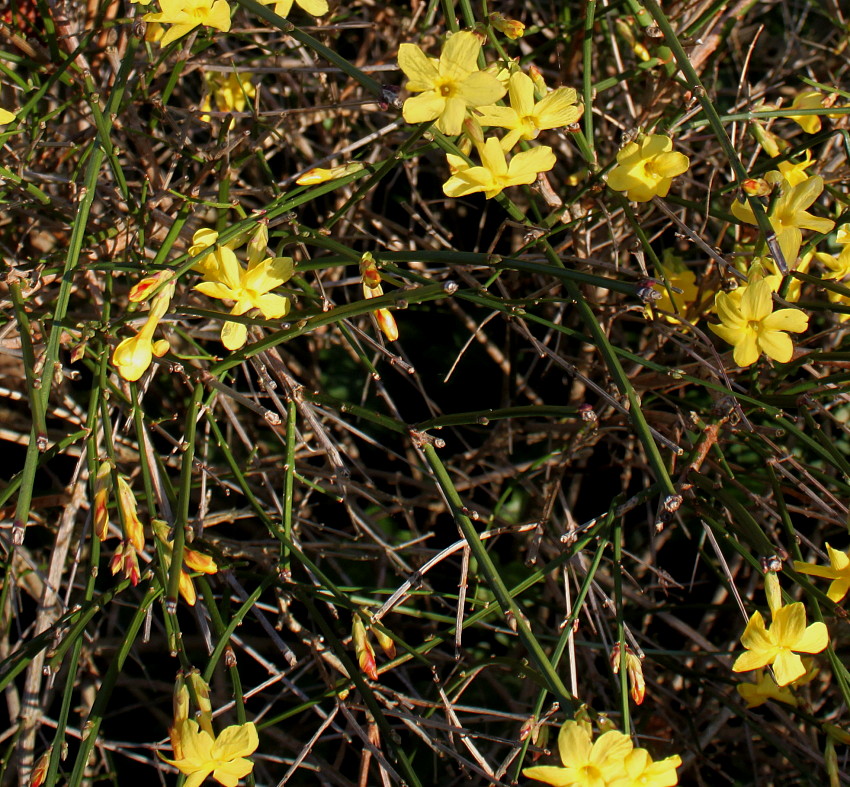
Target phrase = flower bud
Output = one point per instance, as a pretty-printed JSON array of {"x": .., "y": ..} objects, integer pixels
[
  {"x": 100, "y": 514},
  {"x": 39, "y": 772},
  {"x": 363, "y": 649},
  {"x": 387, "y": 324},
  {"x": 369, "y": 272},
  {"x": 144, "y": 288},
  {"x": 133, "y": 528},
  {"x": 772, "y": 591},
  {"x": 202, "y": 695},
  {"x": 385, "y": 641},
  {"x": 756, "y": 187},
  {"x": 319, "y": 175},
  {"x": 509, "y": 27}
]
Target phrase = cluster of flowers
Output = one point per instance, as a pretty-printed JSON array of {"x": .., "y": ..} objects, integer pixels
[
  {"x": 458, "y": 96},
  {"x": 609, "y": 761}
]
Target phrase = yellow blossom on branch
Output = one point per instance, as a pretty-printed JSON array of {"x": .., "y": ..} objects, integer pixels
[
  {"x": 193, "y": 560},
  {"x": 134, "y": 355},
  {"x": 248, "y": 289},
  {"x": 448, "y": 87},
  {"x": 779, "y": 645},
  {"x": 753, "y": 328},
  {"x": 788, "y": 215},
  {"x": 809, "y": 99},
  {"x": 643, "y": 771},
  {"x": 764, "y": 689},
  {"x": 320, "y": 175},
  {"x": 838, "y": 571},
  {"x": 795, "y": 171},
  {"x": 585, "y": 761},
  {"x": 525, "y": 118},
  {"x": 495, "y": 173},
  {"x": 185, "y": 15},
  {"x": 646, "y": 168},
  {"x": 225, "y": 756},
  {"x": 230, "y": 91}
]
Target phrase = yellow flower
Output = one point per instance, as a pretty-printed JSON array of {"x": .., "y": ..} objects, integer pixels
[
  {"x": 585, "y": 763},
  {"x": 645, "y": 169},
  {"x": 196, "y": 561},
  {"x": 764, "y": 689},
  {"x": 795, "y": 172},
  {"x": 838, "y": 571},
  {"x": 512, "y": 28},
  {"x": 185, "y": 15},
  {"x": 689, "y": 303},
  {"x": 495, "y": 173},
  {"x": 224, "y": 757},
  {"x": 779, "y": 644},
  {"x": 133, "y": 355},
  {"x": 6, "y": 116},
  {"x": 449, "y": 86},
  {"x": 312, "y": 7},
  {"x": 641, "y": 771},
  {"x": 809, "y": 99},
  {"x": 752, "y": 326},
  {"x": 524, "y": 118},
  {"x": 788, "y": 215},
  {"x": 249, "y": 289},
  {"x": 231, "y": 92}
]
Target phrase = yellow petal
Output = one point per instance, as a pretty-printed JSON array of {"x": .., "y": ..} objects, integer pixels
[
  {"x": 424, "y": 107},
  {"x": 234, "y": 335},
  {"x": 559, "y": 108},
  {"x": 776, "y": 345},
  {"x": 418, "y": 68},
  {"x": 460, "y": 56}
]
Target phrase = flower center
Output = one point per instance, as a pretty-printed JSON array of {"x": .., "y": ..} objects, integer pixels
[
  {"x": 447, "y": 89},
  {"x": 591, "y": 773},
  {"x": 754, "y": 326}
]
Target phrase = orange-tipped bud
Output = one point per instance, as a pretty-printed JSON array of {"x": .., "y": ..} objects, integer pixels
[
  {"x": 143, "y": 289},
  {"x": 369, "y": 272},
  {"x": 198, "y": 561},
  {"x": 126, "y": 561},
  {"x": 540, "y": 88},
  {"x": 363, "y": 649},
  {"x": 510, "y": 27},
  {"x": 634, "y": 669},
  {"x": 134, "y": 531},
  {"x": 473, "y": 131},
  {"x": 756, "y": 187},
  {"x": 387, "y": 324},
  {"x": 318, "y": 175},
  {"x": 385, "y": 641},
  {"x": 39, "y": 773},
  {"x": 100, "y": 514}
]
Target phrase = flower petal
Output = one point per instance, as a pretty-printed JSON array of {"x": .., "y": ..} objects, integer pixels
[
  {"x": 787, "y": 667},
  {"x": 776, "y": 345},
  {"x": 814, "y": 639},
  {"x": 418, "y": 68},
  {"x": 424, "y": 107},
  {"x": 559, "y": 108},
  {"x": 480, "y": 89},
  {"x": 460, "y": 56},
  {"x": 793, "y": 320}
]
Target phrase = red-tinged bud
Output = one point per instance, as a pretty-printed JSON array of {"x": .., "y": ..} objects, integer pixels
[
  {"x": 39, "y": 773},
  {"x": 387, "y": 324},
  {"x": 634, "y": 670},
  {"x": 100, "y": 514},
  {"x": 363, "y": 649},
  {"x": 369, "y": 272},
  {"x": 142, "y": 290},
  {"x": 126, "y": 561},
  {"x": 756, "y": 187},
  {"x": 510, "y": 27},
  {"x": 134, "y": 531},
  {"x": 385, "y": 641}
]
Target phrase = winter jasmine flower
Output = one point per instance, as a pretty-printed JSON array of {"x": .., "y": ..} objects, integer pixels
[
  {"x": 525, "y": 118},
  {"x": 838, "y": 571},
  {"x": 134, "y": 355},
  {"x": 495, "y": 174},
  {"x": 788, "y": 215},
  {"x": 225, "y": 756},
  {"x": 753, "y": 328},
  {"x": 448, "y": 87},
  {"x": 185, "y": 15},
  {"x": 642, "y": 771},
  {"x": 646, "y": 168},
  {"x": 312, "y": 7},
  {"x": 779, "y": 644},
  {"x": 230, "y": 91},
  {"x": 584, "y": 761},
  {"x": 764, "y": 689}
]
